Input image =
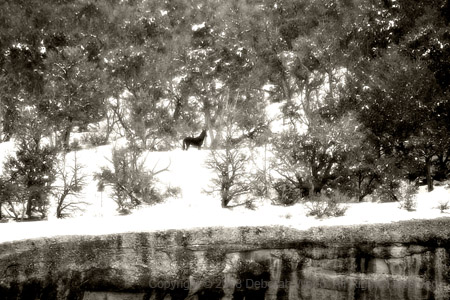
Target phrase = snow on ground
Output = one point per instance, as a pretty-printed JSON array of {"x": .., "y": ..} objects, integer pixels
[{"x": 194, "y": 208}]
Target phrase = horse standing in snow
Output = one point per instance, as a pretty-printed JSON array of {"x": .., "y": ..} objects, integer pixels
[{"x": 195, "y": 141}]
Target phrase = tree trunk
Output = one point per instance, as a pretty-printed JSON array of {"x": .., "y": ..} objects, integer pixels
[
  {"x": 318, "y": 188},
  {"x": 442, "y": 170},
  {"x": 29, "y": 206},
  {"x": 9, "y": 119},
  {"x": 65, "y": 139},
  {"x": 429, "y": 178},
  {"x": 367, "y": 189},
  {"x": 60, "y": 203},
  {"x": 178, "y": 108},
  {"x": 360, "y": 193},
  {"x": 109, "y": 125},
  {"x": 209, "y": 128},
  {"x": 224, "y": 202},
  {"x": 330, "y": 82},
  {"x": 266, "y": 185},
  {"x": 286, "y": 89},
  {"x": 224, "y": 194}
]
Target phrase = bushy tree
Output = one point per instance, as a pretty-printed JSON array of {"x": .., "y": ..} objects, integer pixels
[
  {"x": 140, "y": 107},
  {"x": 73, "y": 90},
  {"x": 28, "y": 174},
  {"x": 398, "y": 83},
  {"x": 49, "y": 59},
  {"x": 399, "y": 105},
  {"x": 319, "y": 156}
]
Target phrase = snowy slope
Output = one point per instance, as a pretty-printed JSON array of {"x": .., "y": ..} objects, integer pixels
[{"x": 194, "y": 208}]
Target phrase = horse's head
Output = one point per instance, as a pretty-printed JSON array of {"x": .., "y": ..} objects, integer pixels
[{"x": 203, "y": 134}]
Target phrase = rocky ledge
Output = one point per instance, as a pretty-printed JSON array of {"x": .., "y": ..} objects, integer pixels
[{"x": 404, "y": 260}]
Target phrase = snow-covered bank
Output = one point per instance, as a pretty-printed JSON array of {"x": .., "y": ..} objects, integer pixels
[
  {"x": 203, "y": 211},
  {"x": 194, "y": 208}
]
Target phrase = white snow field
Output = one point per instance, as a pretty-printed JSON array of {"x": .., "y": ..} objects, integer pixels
[{"x": 194, "y": 208}]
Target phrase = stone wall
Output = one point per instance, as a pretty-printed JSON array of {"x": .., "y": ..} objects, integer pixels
[{"x": 406, "y": 260}]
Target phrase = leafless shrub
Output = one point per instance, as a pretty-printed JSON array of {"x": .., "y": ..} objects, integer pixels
[
  {"x": 322, "y": 205},
  {"x": 131, "y": 182}
]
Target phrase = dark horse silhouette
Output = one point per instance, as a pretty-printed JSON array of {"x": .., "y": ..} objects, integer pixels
[{"x": 194, "y": 141}]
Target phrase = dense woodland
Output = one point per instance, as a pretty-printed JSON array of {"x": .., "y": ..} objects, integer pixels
[{"x": 363, "y": 87}]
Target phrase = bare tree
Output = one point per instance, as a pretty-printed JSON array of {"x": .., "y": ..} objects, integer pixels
[
  {"x": 72, "y": 182},
  {"x": 131, "y": 182},
  {"x": 230, "y": 167},
  {"x": 231, "y": 181}
]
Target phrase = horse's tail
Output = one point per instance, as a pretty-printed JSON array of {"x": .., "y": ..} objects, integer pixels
[{"x": 183, "y": 147}]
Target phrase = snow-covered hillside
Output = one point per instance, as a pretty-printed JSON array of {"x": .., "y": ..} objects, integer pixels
[{"x": 194, "y": 208}]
